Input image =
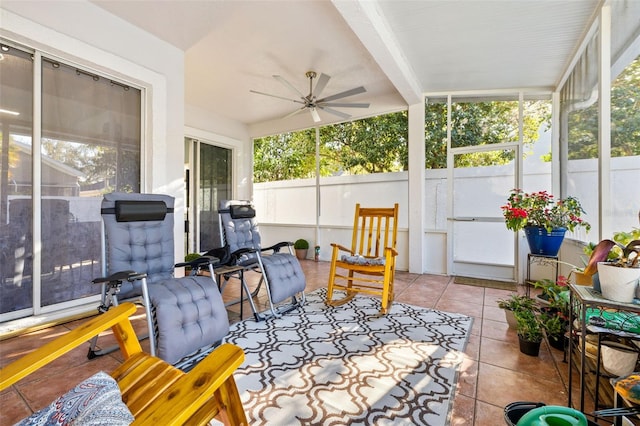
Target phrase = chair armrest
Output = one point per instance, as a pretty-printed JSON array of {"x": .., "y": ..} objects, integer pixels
[
  {"x": 276, "y": 247},
  {"x": 393, "y": 251},
  {"x": 120, "y": 276},
  {"x": 178, "y": 403},
  {"x": 342, "y": 248},
  {"x": 199, "y": 262},
  {"x": 116, "y": 318}
]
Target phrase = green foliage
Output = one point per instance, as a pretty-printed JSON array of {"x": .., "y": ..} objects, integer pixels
[
  {"x": 552, "y": 323},
  {"x": 529, "y": 327},
  {"x": 540, "y": 209},
  {"x": 284, "y": 156},
  {"x": 189, "y": 257},
  {"x": 625, "y": 119},
  {"x": 372, "y": 145},
  {"x": 556, "y": 294},
  {"x": 480, "y": 123},
  {"x": 301, "y": 244},
  {"x": 516, "y": 302}
]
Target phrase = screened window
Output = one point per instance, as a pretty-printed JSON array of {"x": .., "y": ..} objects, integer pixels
[{"x": 371, "y": 145}]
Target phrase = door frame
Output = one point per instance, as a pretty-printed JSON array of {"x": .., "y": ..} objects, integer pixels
[{"x": 451, "y": 219}]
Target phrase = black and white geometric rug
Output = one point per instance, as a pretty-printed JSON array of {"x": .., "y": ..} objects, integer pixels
[{"x": 348, "y": 365}]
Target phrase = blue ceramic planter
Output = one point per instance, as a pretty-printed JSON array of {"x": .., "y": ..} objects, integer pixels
[{"x": 543, "y": 242}]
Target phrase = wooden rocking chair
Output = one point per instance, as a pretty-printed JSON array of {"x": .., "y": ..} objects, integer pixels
[
  {"x": 154, "y": 391},
  {"x": 369, "y": 265}
]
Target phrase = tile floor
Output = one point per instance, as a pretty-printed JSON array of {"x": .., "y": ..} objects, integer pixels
[{"x": 494, "y": 372}]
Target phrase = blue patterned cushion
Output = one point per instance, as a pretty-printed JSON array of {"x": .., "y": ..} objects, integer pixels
[
  {"x": 361, "y": 260},
  {"x": 95, "y": 401}
]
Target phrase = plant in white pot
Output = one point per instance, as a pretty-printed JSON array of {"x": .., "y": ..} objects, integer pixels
[
  {"x": 605, "y": 250},
  {"x": 514, "y": 303},
  {"x": 619, "y": 277}
]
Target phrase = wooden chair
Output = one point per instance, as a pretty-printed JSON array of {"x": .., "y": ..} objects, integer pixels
[
  {"x": 369, "y": 265},
  {"x": 154, "y": 391}
]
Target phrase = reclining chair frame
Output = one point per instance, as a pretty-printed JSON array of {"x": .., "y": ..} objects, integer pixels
[
  {"x": 150, "y": 208},
  {"x": 251, "y": 258}
]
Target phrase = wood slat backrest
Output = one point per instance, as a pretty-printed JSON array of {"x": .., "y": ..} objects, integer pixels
[{"x": 374, "y": 229}]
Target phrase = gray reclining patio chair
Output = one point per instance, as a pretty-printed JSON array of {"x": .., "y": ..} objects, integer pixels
[
  {"x": 279, "y": 269},
  {"x": 186, "y": 316}
]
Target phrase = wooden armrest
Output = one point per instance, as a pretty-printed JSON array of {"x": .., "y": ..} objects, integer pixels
[
  {"x": 184, "y": 397},
  {"x": 116, "y": 318},
  {"x": 342, "y": 248}
]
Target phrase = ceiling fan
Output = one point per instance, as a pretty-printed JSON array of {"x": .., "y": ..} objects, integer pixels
[{"x": 313, "y": 102}]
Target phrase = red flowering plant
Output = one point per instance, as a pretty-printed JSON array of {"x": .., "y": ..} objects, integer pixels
[{"x": 541, "y": 209}]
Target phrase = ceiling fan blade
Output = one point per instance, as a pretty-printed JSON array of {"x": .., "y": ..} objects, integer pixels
[
  {"x": 298, "y": 111},
  {"x": 335, "y": 112},
  {"x": 321, "y": 84},
  {"x": 344, "y": 94},
  {"x": 289, "y": 85},
  {"x": 276, "y": 96},
  {"x": 315, "y": 115},
  {"x": 342, "y": 105}
]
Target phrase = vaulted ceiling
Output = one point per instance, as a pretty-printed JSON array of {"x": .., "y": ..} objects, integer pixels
[{"x": 396, "y": 49}]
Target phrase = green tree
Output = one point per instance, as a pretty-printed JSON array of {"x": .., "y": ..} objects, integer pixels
[
  {"x": 479, "y": 123},
  {"x": 372, "y": 145},
  {"x": 625, "y": 119},
  {"x": 284, "y": 156}
]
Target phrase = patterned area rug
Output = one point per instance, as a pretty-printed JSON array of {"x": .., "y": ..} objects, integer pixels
[{"x": 348, "y": 365}]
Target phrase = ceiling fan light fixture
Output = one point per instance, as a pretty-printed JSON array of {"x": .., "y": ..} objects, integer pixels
[
  {"x": 312, "y": 101},
  {"x": 315, "y": 115}
]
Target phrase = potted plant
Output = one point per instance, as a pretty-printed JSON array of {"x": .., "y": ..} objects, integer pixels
[
  {"x": 543, "y": 219},
  {"x": 514, "y": 303},
  {"x": 555, "y": 326},
  {"x": 301, "y": 247},
  {"x": 530, "y": 332},
  {"x": 190, "y": 257},
  {"x": 554, "y": 293},
  {"x": 618, "y": 277},
  {"x": 608, "y": 250}
]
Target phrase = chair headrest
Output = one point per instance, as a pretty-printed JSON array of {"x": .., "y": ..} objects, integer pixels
[
  {"x": 139, "y": 211},
  {"x": 242, "y": 211}
]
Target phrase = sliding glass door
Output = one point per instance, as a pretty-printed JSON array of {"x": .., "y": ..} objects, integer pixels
[
  {"x": 58, "y": 157},
  {"x": 208, "y": 177}
]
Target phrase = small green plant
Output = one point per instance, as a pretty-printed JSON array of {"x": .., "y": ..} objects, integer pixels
[
  {"x": 529, "y": 327},
  {"x": 301, "y": 244},
  {"x": 552, "y": 292},
  {"x": 516, "y": 302},
  {"x": 191, "y": 257},
  {"x": 553, "y": 324}
]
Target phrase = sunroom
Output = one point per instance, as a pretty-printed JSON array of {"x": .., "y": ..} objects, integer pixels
[{"x": 186, "y": 94}]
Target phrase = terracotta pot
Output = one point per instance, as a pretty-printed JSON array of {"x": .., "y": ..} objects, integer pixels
[{"x": 301, "y": 253}]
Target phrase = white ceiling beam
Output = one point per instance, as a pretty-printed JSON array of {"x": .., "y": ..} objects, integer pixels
[{"x": 368, "y": 23}]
